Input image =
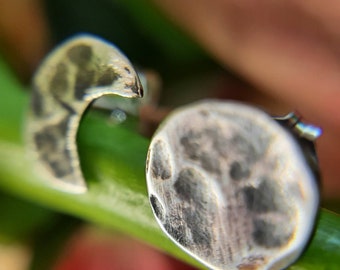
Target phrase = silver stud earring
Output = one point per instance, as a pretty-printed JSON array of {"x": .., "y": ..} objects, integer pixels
[
  {"x": 76, "y": 73},
  {"x": 231, "y": 186}
]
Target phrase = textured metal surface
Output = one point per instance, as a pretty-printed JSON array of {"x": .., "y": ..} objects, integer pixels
[
  {"x": 231, "y": 187},
  {"x": 72, "y": 76}
]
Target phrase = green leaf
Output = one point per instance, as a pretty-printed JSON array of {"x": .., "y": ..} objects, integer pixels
[
  {"x": 113, "y": 161},
  {"x": 323, "y": 251},
  {"x": 21, "y": 220}
]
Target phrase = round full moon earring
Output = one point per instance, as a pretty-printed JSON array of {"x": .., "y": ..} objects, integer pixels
[
  {"x": 232, "y": 187},
  {"x": 76, "y": 73}
]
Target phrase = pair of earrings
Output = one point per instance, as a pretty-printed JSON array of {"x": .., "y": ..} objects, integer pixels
[{"x": 227, "y": 183}]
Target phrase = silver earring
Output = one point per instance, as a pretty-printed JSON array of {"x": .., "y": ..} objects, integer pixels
[
  {"x": 76, "y": 73},
  {"x": 231, "y": 186}
]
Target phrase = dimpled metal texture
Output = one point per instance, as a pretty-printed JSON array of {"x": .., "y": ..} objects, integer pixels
[
  {"x": 77, "y": 72},
  {"x": 231, "y": 187}
]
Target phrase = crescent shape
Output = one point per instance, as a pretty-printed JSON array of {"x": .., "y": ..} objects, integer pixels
[{"x": 77, "y": 72}]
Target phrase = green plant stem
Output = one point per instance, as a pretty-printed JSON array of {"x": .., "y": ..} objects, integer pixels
[{"x": 113, "y": 161}]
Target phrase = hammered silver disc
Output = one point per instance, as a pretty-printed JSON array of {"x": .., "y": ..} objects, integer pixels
[
  {"x": 76, "y": 73},
  {"x": 231, "y": 187}
]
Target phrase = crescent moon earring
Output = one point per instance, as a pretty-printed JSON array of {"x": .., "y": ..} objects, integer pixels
[
  {"x": 232, "y": 187},
  {"x": 75, "y": 74}
]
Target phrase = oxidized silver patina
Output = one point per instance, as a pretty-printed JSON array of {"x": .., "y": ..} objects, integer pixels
[
  {"x": 72, "y": 76},
  {"x": 231, "y": 186}
]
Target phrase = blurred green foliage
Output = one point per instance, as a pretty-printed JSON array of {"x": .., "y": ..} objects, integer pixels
[{"x": 117, "y": 198}]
